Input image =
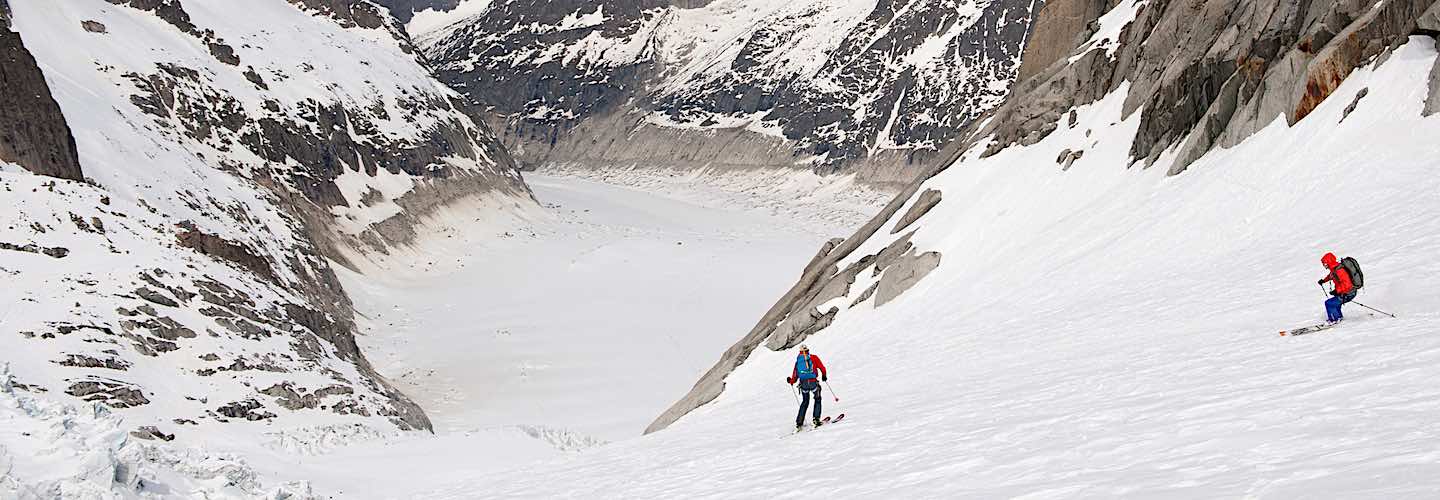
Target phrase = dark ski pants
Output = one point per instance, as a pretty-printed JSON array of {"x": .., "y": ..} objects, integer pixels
[
  {"x": 1332, "y": 306},
  {"x": 806, "y": 387}
]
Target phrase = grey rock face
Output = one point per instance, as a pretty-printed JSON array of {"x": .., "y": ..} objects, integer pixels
[
  {"x": 33, "y": 132},
  {"x": 922, "y": 206},
  {"x": 1211, "y": 74},
  {"x": 1067, "y": 23},
  {"x": 907, "y": 271},
  {"x": 1429, "y": 22},
  {"x": 865, "y": 107},
  {"x": 1432, "y": 101}
]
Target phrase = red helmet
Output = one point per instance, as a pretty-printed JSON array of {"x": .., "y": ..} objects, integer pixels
[{"x": 1329, "y": 260}]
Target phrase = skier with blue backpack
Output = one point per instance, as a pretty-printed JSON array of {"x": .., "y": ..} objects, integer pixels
[{"x": 807, "y": 367}]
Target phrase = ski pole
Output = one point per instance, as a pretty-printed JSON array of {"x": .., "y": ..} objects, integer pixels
[
  {"x": 832, "y": 391},
  {"x": 795, "y": 392},
  {"x": 1372, "y": 309}
]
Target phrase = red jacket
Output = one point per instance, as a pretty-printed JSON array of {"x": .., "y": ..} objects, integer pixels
[
  {"x": 1338, "y": 274},
  {"x": 820, "y": 367}
]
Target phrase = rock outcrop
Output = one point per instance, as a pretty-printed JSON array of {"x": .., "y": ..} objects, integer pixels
[
  {"x": 873, "y": 89},
  {"x": 1210, "y": 74},
  {"x": 796, "y": 315},
  {"x": 33, "y": 132},
  {"x": 1432, "y": 101},
  {"x": 1067, "y": 24}
]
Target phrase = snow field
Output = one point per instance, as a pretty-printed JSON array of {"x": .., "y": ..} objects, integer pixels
[
  {"x": 611, "y": 302},
  {"x": 1109, "y": 332},
  {"x": 607, "y": 275}
]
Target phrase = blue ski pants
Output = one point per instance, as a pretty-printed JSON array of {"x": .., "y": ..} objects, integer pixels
[
  {"x": 1332, "y": 306},
  {"x": 808, "y": 386}
]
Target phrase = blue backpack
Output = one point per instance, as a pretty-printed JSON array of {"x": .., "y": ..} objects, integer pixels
[{"x": 804, "y": 368}]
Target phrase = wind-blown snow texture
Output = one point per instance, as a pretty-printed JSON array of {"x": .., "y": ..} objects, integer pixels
[
  {"x": 818, "y": 83},
  {"x": 1109, "y": 331}
]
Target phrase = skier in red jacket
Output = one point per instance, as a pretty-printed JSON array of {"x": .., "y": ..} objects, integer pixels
[
  {"x": 807, "y": 366},
  {"x": 1344, "y": 288}
]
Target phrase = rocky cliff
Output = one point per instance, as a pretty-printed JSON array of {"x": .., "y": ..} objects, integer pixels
[
  {"x": 851, "y": 86},
  {"x": 234, "y": 150},
  {"x": 1194, "y": 77},
  {"x": 33, "y": 132}
]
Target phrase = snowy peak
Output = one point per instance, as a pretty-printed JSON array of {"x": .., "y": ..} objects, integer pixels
[{"x": 819, "y": 84}]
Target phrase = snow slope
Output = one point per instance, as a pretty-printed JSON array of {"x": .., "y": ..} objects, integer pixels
[{"x": 1108, "y": 331}]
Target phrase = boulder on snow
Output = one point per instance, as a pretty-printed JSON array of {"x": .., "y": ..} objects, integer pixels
[
  {"x": 1067, "y": 159},
  {"x": 114, "y": 393},
  {"x": 1354, "y": 103},
  {"x": 907, "y": 271},
  {"x": 923, "y": 203},
  {"x": 891, "y": 252},
  {"x": 150, "y": 433}
]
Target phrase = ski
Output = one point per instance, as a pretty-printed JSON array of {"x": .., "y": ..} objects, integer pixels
[
  {"x": 828, "y": 420},
  {"x": 823, "y": 422},
  {"x": 1307, "y": 329}
]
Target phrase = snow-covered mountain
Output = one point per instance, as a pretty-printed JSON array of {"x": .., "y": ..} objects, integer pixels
[
  {"x": 855, "y": 86},
  {"x": 179, "y": 177},
  {"x": 1078, "y": 296}
]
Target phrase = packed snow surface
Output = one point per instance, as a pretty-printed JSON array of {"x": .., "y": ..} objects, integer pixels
[{"x": 1107, "y": 331}]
